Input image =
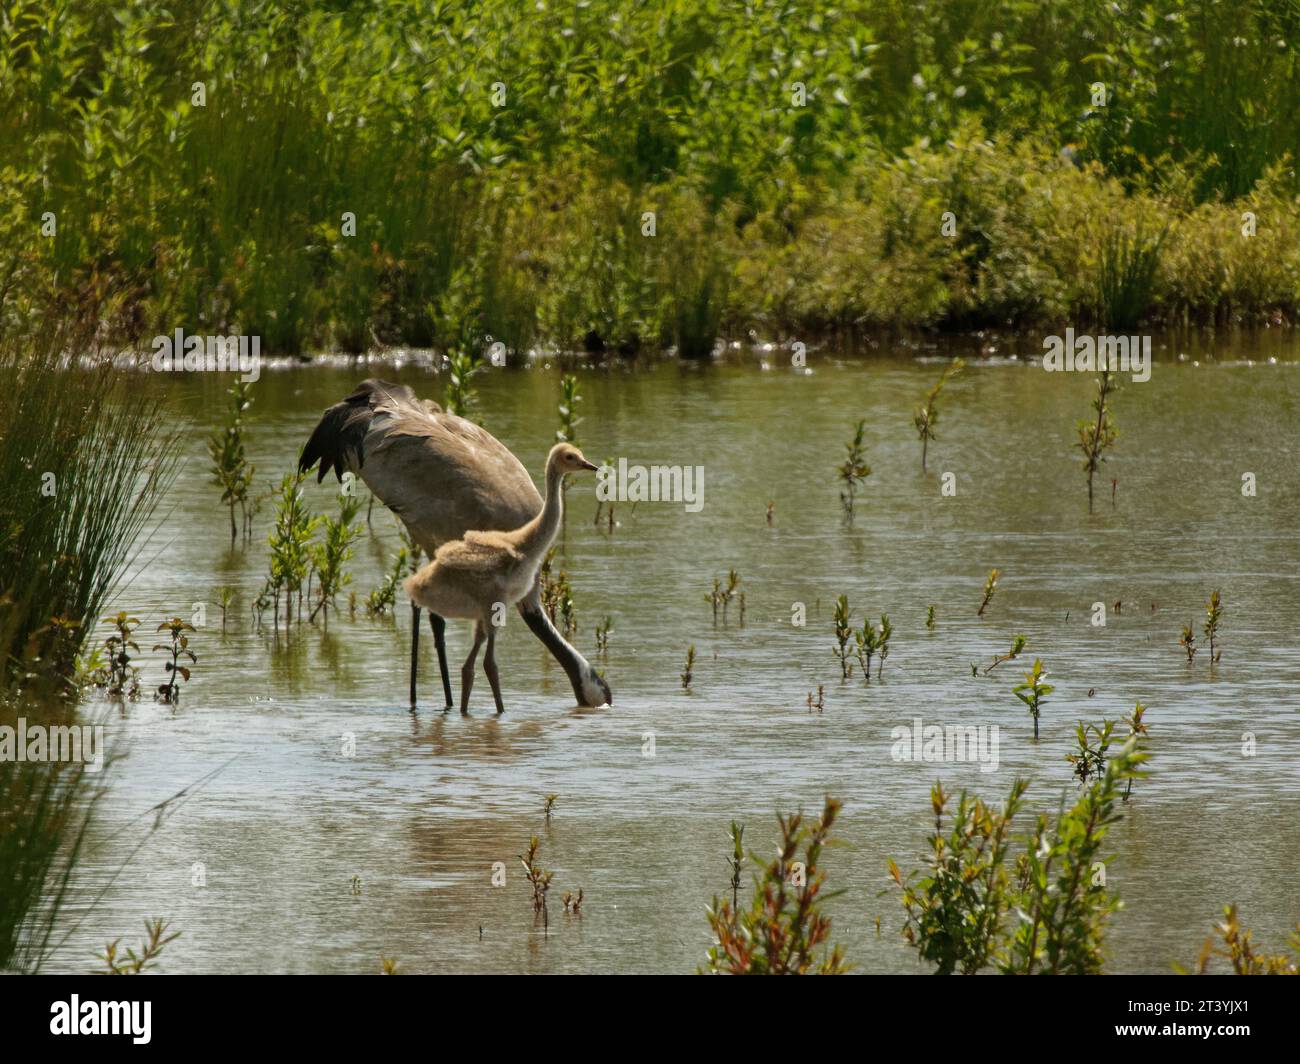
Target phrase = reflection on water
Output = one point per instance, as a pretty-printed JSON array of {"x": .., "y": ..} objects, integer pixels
[{"x": 429, "y": 802}]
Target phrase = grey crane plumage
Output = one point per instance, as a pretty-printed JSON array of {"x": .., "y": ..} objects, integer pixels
[{"x": 442, "y": 476}]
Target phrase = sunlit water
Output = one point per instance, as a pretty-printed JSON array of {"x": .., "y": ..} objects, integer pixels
[{"x": 430, "y": 801}]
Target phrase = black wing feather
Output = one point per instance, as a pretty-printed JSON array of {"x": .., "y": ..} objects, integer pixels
[{"x": 339, "y": 437}]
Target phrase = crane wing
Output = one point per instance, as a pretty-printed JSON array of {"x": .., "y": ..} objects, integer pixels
[{"x": 441, "y": 474}]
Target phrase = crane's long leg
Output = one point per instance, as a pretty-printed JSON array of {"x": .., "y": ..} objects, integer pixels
[
  {"x": 490, "y": 667},
  {"x": 415, "y": 647},
  {"x": 467, "y": 670},
  {"x": 439, "y": 626}
]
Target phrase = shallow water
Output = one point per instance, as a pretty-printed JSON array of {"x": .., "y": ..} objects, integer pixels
[{"x": 429, "y": 802}]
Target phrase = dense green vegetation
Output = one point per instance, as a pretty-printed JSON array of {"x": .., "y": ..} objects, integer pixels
[{"x": 198, "y": 158}]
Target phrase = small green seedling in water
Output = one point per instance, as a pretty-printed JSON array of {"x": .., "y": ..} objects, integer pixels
[
  {"x": 820, "y": 704},
  {"x": 882, "y": 642},
  {"x": 929, "y": 618},
  {"x": 843, "y": 632},
  {"x": 737, "y": 835},
  {"x": 1136, "y": 733},
  {"x": 225, "y": 599},
  {"x": 170, "y": 692},
  {"x": 866, "y": 643},
  {"x": 733, "y": 584},
  {"x": 721, "y": 596},
  {"x": 1097, "y": 436},
  {"x": 538, "y": 878},
  {"x": 156, "y": 939},
  {"x": 854, "y": 471},
  {"x": 384, "y": 597},
  {"x": 688, "y": 671},
  {"x": 927, "y": 416},
  {"x": 602, "y": 634},
  {"x": 551, "y": 799},
  {"x": 331, "y": 555},
  {"x": 291, "y": 546},
  {"x": 990, "y": 586},
  {"x": 231, "y": 471},
  {"x": 1188, "y": 642},
  {"x": 117, "y": 647},
  {"x": 557, "y": 598},
  {"x": 1016, "y": 647},
  {"x": 1089, "y": 759},
  {"x": 1213, "y": 615},
  {"x": 1033, "y": 691}
]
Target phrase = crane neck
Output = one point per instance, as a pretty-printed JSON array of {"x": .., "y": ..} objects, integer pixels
[{"x": 536, "y": 537}]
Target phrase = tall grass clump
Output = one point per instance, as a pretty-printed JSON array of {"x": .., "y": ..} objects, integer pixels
[
  {"x": 1126, "y": 283},
  {"x": 85, "y": 458}
]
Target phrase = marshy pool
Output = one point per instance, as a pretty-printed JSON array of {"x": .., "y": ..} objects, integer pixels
[{"x": 316, "y": 861}]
